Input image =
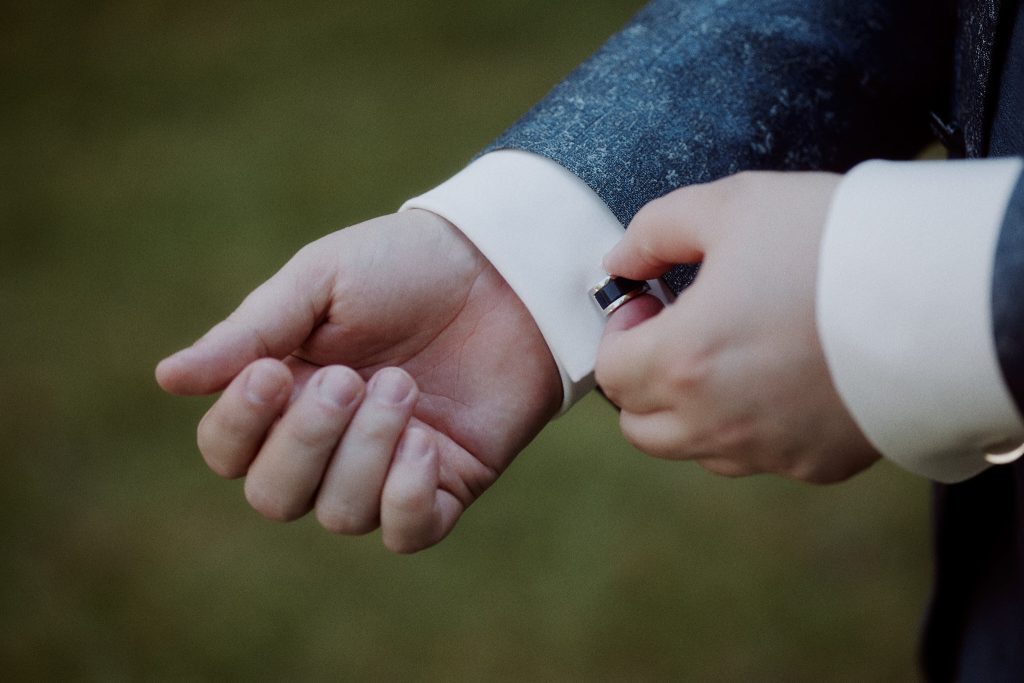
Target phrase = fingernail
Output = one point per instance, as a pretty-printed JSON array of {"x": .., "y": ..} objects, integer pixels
[
  {"x": 261, "y": 387},
  {"x": 391, "y": 385},
  {"x": 338, "y": 387}
]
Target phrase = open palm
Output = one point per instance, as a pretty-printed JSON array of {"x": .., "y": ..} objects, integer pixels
[{"x": 475, "y": 381}]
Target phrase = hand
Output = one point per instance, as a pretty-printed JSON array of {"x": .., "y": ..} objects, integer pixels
[
  {"x": 731, "y": 374},
  {"x": 460, "y": 380}
]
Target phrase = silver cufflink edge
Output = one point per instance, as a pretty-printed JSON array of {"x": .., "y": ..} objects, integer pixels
[{"x": 611, "y": 293}]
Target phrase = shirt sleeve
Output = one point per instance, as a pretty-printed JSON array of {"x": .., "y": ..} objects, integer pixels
[
  {"x": 546, "y": 232},
  {"x": 905, "y": 315},
  {"x": 687, "y": 92}
]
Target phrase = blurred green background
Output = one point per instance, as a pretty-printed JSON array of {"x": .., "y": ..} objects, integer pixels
[{"x": 157, "y": 161}]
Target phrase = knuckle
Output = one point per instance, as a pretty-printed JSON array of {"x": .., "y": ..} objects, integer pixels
[
  {"x": 226, "y": 468},
  {"x": 307, "y": 435},
  {"x": 725, "y": 194},
  {"x": 339, "y": 519},
  {"x": 637, "y": 441},
  {"x": 691, "y": 370},
  {"x": 377, "y": 431},
  {"x": 730, "y": 469},
  {"x": 651, "y": 442},
  {"x": 739, "y": 437},
  {"x": 407, "y": 500},
  {"x": 605, "y": 375},
  {"x": 205, "y": 434},
  {"x": 203, "y": 437},
  {"x": 270, "y": 505},
  {"x": 209, "y": 439},
  {"x": 630, "y": 431},
  {"x": 610, "y": 394},
  {"x": 818, "y": 473},
  {"x": 823, "y": 478},
  {"x": 316, "y": 421},
  {"x": 403, "y": 544},
  {"x": 224, "y": 464}
]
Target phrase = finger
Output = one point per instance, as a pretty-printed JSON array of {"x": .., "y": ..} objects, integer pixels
[
  {"x": 660, "y": 236},
  {"x": 632, "y": 313},
  {"x": 661, "y": 434},
  {"x": 727, "y": 467},
  {"x": 631, "y": 353},
  {"x": 350, "y": 494},
  {"x": 271, "y": 322},
  {"x": 302, "y": 372},
  {"x": 415, "y": 513},
  {"x": 675, "y": 228},
  {"x": 621, "y": 365},
  {"x": 231, "y": 432},
  {"x": 286, "y": 473}
]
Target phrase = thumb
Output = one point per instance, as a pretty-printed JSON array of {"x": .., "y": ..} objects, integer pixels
[
  {"x": 664, "y": 233},
  {"x": 272, "y": 321}
]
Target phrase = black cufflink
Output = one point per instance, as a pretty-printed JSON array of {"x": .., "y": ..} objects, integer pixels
[{"x": 612, "y": 292}]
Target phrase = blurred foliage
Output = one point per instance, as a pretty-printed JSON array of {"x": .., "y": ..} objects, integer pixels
[{"x": 158, "y": 160}]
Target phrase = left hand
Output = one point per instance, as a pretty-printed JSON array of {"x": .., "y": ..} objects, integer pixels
[
  {"x": 385, "y": 376},
  {"x": 732, "y": 374}
]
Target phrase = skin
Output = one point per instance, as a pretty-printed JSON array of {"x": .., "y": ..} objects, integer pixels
[
  {"x": 732, "y": 374},
  {"x": 385, "y": 376}
]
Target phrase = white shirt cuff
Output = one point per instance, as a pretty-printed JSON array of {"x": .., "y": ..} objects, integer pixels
[
  {"x": 546, "y": 232},
  {"x": 905, "y": 314}
]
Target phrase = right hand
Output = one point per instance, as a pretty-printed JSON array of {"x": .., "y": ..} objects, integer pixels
[
  {"x": 732, "y": 373},
  {"x": 406, "y": 302}
]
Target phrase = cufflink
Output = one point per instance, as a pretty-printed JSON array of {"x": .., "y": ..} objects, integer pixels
[
  {"x": 1002, "y": 456},
  {"x": 612, "y": 292}
]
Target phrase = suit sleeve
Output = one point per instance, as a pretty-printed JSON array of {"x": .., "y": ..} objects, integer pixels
[
  {"x": 689, "y": 91},
  {"x": 919, "y": 310},
  {"x": 694, "y": 90}
]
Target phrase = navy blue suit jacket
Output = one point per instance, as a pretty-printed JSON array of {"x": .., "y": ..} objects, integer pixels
[{"x": 693, "y": 90}]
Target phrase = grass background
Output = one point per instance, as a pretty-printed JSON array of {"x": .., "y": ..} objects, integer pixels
[{"x": 157, "y": 161}]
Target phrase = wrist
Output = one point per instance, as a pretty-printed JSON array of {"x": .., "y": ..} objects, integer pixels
[{"x": 479, "y": 276}]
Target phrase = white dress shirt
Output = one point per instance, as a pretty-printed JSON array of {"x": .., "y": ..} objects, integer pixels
[{"x": 904, "y": 310}]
